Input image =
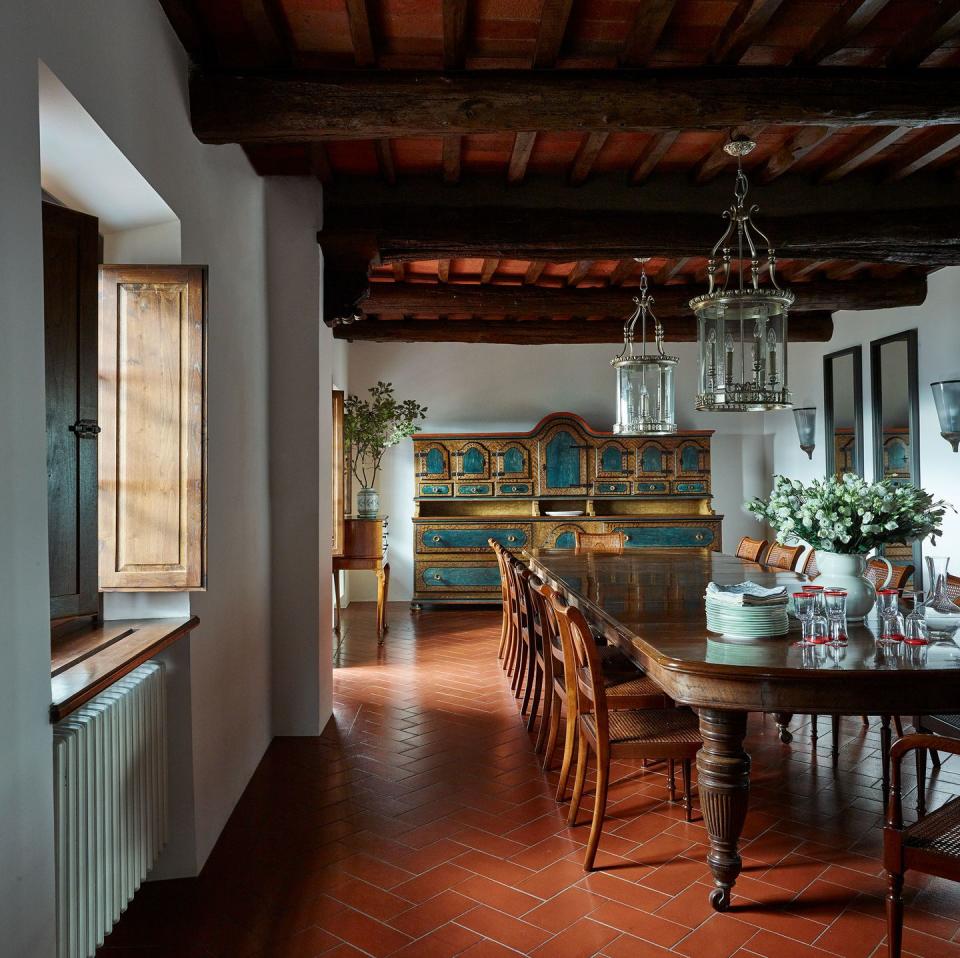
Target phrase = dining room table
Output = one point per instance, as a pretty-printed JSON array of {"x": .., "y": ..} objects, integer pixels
[{"x": 650, "y": 604}]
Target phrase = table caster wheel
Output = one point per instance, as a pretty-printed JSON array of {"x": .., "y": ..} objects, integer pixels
[{"x": 720, "y": 898}]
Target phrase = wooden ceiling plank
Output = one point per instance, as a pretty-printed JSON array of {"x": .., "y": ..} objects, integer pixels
[
  {"x": 533, "y": 272},
  {"x": 622, "y": 272},
  {"x": 385, "y": 161},
  {"x": 579, "y": 272},
  {"x": 190, "y": 26},
  {"x": 745, "y": 24},
  {"x": 364, "y": 51},
  {"x": 800, "y": 145},
  {"x": 844, "y": 271},
  {"x": 523, "y": 144},
  {"x": 940, "y": 25},
  {"x": 270, "y": 29},
  {"x": 452, "y": 151},
  {"x": 648, "y": 24},
  {"x": 670, "y": 270},
  {"x": 652, "y": 154},
  {"x": 873, "y": 143},
  {"x": 370, "y": 104},
  {"x": 399, "y": 272},
  {"x": 489, "y": 270},
  {"x": 718, "y": 159},
  {"x": 443, "y": 270},
  {"x": 849, "y": 19},
  {"x": 810, "y": 269},
  {"x": 454, "y": 33},
  {"x": 554, "y": 16},
  {"x": 320, "y": 162},
  {"x": 805, "y": 327},
  {"x": 587, "y": 153},
  {"x": 921, "y": 156}
]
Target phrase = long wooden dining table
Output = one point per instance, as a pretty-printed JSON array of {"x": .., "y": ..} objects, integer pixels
[{"x": 650, "y": 603}]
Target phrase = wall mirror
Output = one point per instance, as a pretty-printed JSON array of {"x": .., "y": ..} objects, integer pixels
[
  {"x": 843, "y": 410},
  {"x": 896, "y": 419}
]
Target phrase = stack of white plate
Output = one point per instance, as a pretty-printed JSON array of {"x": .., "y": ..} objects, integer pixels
[{"x": 747, "y": 622}]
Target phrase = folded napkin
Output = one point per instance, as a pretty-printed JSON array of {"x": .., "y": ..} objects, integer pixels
[{"x": 746, "y": 593}]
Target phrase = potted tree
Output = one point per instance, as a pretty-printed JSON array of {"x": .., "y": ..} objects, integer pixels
[{"x": 370, "y": 427}]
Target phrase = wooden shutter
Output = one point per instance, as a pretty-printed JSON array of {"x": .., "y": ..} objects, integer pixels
[
  {"x": 152, "y": 477},
  {"x": 70, "y": 255}
]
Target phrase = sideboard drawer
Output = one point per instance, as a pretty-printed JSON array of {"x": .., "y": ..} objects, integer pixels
[
  {"x": 691, "y": 487},
  {"x": 606, "y": 488},
  {"x": 474, "y": 488},
  {"x": 652, "y": 487},
  {"x": 668, "y": 536},
  {"x": 457, "y": 579},
  {"x": 514, "y": 488},
  {"x": 436, "y": 489},
  {"x": 437, "y": 537}
]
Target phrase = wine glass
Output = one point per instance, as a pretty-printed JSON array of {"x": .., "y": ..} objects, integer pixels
[
  {"x": 893, "y": 627},
  {"x": 803, "y": 608},
  {"x": 819, "y": 607},
  {"x": 835, "y": 601},
  {"x": 916, "y": 631},
  {"x": 819, "y": 630}
]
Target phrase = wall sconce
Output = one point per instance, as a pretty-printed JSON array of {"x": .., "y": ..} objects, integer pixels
[
  {"x": 947, "y": 397},
  {"x": 806, "y": 420}
]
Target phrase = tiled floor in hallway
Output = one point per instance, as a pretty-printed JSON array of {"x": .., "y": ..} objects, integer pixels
[{"x": 420, "y": 825}]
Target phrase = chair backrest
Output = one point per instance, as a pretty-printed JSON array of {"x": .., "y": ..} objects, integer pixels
[
  {"x": 751, "y": 549},
  {"x": 783, "y": 557},
  {"x": 953, "y": 588},
  {"x": 552, "y": 651},
  {"x": 877, "y": 572},
  {"x": 810, "y": 566},
  {"x": 584, "y": 673},
  {"x": 501, "y": 565},
  {"x": 598, "y": 541}
]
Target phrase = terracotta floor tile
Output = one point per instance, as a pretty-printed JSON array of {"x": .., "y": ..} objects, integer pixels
[
  {"x": 627, "y": 946},
  {"x": 563, "y": 910},
  {"x": 491, "y": 867},
  {"x": 365, "y": 933},
  {"x": 769, "y": 945},
  {"x": 853, "y": 935},
  {"x": 369, "y": 899},
  {"x": 582, "y": 939},
  {"x": 718, "y": 937},
  {"x": 431, "y": 882},
  {"x": 553, "y": 879},
  {"x": 641, "y": 924},
  {"x": 503, "y": 928},
  {"x": 485, "y": 948},
  {"x": 486, "y": 891},
  {"x": 439, "y": 910}
]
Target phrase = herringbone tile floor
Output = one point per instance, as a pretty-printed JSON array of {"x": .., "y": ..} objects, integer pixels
[{"x": 420, "y": 825}]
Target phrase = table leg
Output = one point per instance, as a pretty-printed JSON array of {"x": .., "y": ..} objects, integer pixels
[
  {"x": 336, "y": 602},
  {"x": 386, "y": 594},
  {"x": 723, "y": 769},
  {"x": 783, "y": 721},
  {"x": 383, "y": 584}
]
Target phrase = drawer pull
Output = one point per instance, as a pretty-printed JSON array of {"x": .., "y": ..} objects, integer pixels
[
  {"x": 511, "y": 538},
  {"x": 436, "y": 538},
  {"x": 438, "y": 578},
  {"x": 699, "y": 537},
  {"x": 651, "y": 487},
  {"x": 626, "y": 538}
]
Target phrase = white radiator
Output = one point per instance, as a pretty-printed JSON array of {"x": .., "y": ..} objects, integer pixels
[{"x": 110, "y": 805}]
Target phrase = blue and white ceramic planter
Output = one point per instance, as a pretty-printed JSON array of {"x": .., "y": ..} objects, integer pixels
[{"x": 368, "y": 503}]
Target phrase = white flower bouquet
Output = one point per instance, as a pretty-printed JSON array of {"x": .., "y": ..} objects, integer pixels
[{"x": 849, "y": 515}]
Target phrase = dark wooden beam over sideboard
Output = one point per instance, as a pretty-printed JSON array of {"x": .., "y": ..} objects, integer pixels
[
  {"x": 444, "y": 298},
  {"x": 804, "y": 327},
  {"x": 369, "y": 104}
]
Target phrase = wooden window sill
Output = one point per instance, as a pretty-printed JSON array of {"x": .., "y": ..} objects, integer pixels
[{"x": 85, "y": 662}]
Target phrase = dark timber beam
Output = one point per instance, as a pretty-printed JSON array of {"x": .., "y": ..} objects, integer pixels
[
  {"x": 850, "y": 18},
  {"x": 648, "y": 24},
  {"x": 923, "y": 236},
  {"x": 372, "y": 104},
  {"x": 804, "y": 328},
  {"x": 440, "y": 299}
]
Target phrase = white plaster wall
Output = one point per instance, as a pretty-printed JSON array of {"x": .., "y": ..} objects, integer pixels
[
  {"x": 153, "y": 245},
  {"x": 488, "y": 388},
  {"x": 938, "y": 324}
]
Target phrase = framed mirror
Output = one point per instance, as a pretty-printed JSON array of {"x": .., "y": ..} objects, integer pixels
[
  {"x": 896, "y": 422},
  {"x": 843, "y": 410}
]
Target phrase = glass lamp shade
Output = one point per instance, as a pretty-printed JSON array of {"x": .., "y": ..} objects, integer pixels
[
  {"x": 646, "y": 396},
  {"x": 806, "y": 419},
  {"x": 946, "y": 395},
  {"x": 742, "y": 337}
]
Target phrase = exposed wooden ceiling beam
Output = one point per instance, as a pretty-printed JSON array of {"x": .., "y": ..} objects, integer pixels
[
  {"x": 850, "y": 18},
  {"x": 523, "y": 144},
  {"x": 399, "y": 272},
  {"x": 452, "y": 147},
  {"x": 670, "y": 270},
  {"x": 940, "y": 24},
  {"x": 553, "y": 25},
  {"x": 622, "y": 272},
  {"x": 443, "y": 270},
  {"x": 866, "y": 149},
  {"x": 489, "y": 269},
  {"x": 320, "y": 163},
  {"x": 806, "y": 327},
  {"x": 500, "y": 299},
  {"x": 810, "y": 269},
  {"x": 800, "y": 145},
  {"x": 648, "y": 24},
  {"x": 270, "y": 29},
  {"x": 579, "y": 272},
  {"x": 745, "y": 24},
  {"x": 844, "y": 271},
  {"x": 454, "y": 33},
  {"x": 927, "y": 151},
  {"x": 718, "y": 159},
  {"x": 652, "y": 154},
  {"x": 369, "y": 104},
  {"x": 385, "y": 160},
  {"x": 924, "y": 236},
  {"x": 589, "y": 149},
  {"x": 533, "y": 272},
  {"x": 364, "y": 52},
  {"x": 191, "y": 28}
]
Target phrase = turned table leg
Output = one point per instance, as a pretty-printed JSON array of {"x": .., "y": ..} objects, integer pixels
[
  {"x": 783, "y": 721},
  {"x": 723, "y": 770}
]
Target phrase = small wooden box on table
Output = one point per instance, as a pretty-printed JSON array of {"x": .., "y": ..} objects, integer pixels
[
  {"x": 471, "y": 487},
  {"x": 364, "y": 547}
]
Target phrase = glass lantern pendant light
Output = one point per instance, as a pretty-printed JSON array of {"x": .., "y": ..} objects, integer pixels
[
  {"x": 741, "y": 326},
  {"x": 646, "y": 391}
]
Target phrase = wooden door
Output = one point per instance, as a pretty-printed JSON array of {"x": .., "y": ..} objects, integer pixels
[
  {"x": 70, "y": 255},
  {"x": 152, "y": 477}
]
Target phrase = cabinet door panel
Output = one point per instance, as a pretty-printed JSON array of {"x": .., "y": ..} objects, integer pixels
[
  {"x": 152, "y": 405},
  {"x": 668, "y": 537}
]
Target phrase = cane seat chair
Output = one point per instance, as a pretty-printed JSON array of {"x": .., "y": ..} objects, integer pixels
[
  {"x": 810, "y": 567},
  {"x": 751, "y": 549},
  {"x": 931, "y": 845},
  {"x": 783, "y": 557},
  {"x": 953, "y": 588},
  {"x": 650, "y": 733},
  {"x": 598, "y": 541},
  {"x": 505, "y": 598},
  {"x": 877, "y": 574}
]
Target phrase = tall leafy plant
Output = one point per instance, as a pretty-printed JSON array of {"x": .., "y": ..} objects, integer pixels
[{"x": 371, "y": 426}]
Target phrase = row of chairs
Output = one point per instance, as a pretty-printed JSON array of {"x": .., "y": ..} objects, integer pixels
[{"x": 606, "y": 706}]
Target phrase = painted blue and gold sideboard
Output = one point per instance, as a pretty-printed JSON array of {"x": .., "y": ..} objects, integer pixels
[{"x": 471, "y": 487}]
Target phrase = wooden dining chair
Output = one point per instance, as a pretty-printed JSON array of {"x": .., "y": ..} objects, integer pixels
[
  {"x": 783, "y": 557},
  {"x": 516, "y": 574},
  {"x": 810, "y": 567},
  {"x": 598, "y": 541},
  {"x": 504, "y": 597},
  {"x": 931, "y": 845},
  {"x": 877, "y": 573},
  {"x": 953, "y": 588},
  {"x": 667, "y": 733},
  {"x": 751, "y": 549}
]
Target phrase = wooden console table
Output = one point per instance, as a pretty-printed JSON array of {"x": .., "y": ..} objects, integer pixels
[{"x": 364, "y": 547}]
